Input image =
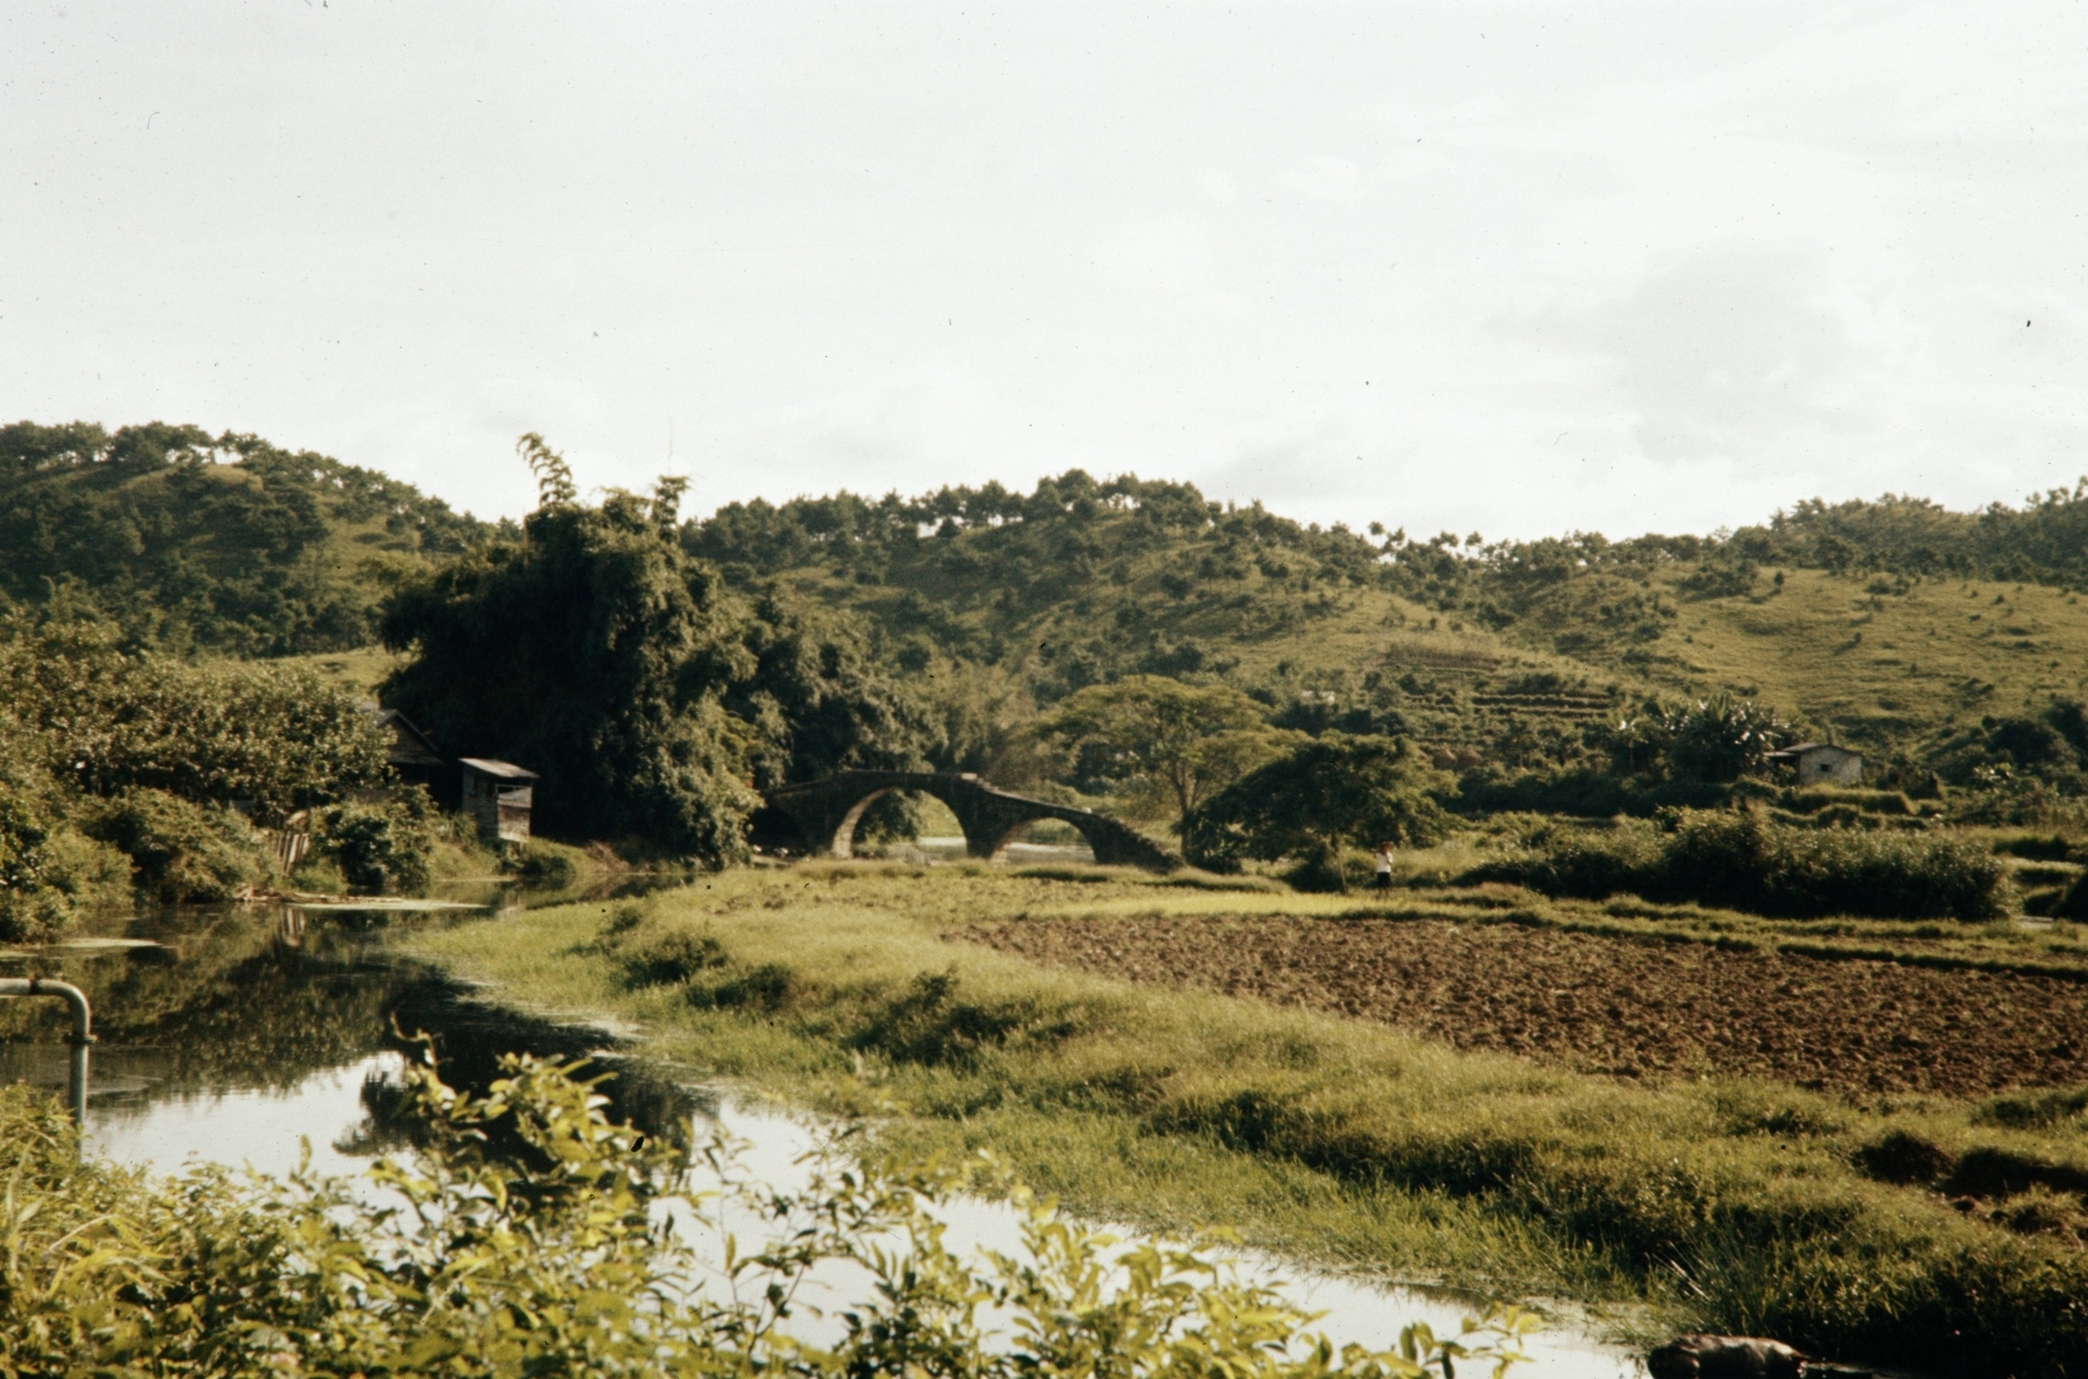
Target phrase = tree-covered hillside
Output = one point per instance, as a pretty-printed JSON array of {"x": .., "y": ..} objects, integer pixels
[
  {"x": 220, "y": 543},
  {"x": 1077, "y": 583},
  {"x": 1885, "y": 624},
  {"x": 1931, "y": 639}
]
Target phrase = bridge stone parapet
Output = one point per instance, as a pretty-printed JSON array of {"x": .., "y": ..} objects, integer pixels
[{"x": 825, "y": 813}]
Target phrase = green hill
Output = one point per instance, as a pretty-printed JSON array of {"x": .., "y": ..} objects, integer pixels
[
  {"x": 1880, "y": 624},
  {"x": 195, "y": 542},
  {"x": 1930, "y": 639}
]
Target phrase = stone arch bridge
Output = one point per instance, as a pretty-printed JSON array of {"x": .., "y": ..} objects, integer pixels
[{"x": 824, "y": 815}]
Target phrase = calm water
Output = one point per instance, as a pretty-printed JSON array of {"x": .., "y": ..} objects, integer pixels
[{"x": 237, "y": 1035}]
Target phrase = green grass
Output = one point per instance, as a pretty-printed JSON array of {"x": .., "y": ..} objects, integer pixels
[
  {"x": 1728, "y": 1204},
  {"x": 358, "y": 672},
  {"x": 1876, "y": 660}
]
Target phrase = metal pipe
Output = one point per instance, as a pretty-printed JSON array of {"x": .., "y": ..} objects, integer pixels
[{"x": 81, "y": 1038}]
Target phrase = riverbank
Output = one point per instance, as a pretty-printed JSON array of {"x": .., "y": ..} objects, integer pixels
[{"x": 1745, "y": 1205}]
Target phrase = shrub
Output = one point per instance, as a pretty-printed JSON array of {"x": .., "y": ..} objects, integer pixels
[
  {"x": 178, "y": 850},
  {"x": 1813, "y": 799},
  {"x": 1721, "y": 738},
  {"x": 540, "y": 862},
  {"x": 672, "y": 958},
  {"x": 274, "y": 738},
  {"x": 380, "y": 846},
  {"x": 1588, "y": 791},
  {"x": 1741, "y": 860},
  {"x": 49, "y": 872}
]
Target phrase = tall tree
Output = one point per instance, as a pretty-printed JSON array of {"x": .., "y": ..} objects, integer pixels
[
  {"x": 1183, "y": 740},
  {"x": 600, "y": 654},
  {"x": 1330, "y": 793}
]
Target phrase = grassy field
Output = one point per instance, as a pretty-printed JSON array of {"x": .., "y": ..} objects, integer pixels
[
  {"x": 1916, "y": 1227},
  {"x": 357, "y": 672},
  {"x": 1882, "y": 658},
  {"x": 1874, "y": 660}
]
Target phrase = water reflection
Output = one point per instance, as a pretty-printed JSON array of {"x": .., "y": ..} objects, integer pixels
[
  {"x": 234, "y": 1035},
  {"x": 203, "y": 1006}
]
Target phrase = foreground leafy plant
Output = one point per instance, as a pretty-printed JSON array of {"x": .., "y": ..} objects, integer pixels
[{"x": 532, "y": 1237}]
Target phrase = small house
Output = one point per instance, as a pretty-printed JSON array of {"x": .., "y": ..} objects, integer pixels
[
  {"x": 414, "y": 757},
  {"x": 1821, "y": 763},
  {"x": 498, "y": 794}
]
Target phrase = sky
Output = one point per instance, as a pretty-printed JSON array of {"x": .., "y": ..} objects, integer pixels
[{"x": 1518, "y": 269}]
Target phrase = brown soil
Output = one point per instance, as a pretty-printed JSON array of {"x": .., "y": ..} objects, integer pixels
[{"x": 1607, "y": 1005}]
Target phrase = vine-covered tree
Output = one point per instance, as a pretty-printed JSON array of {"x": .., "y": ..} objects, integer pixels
[
  {"x": 599, "y": 653},
  {"x": 1330, "y": 793}
]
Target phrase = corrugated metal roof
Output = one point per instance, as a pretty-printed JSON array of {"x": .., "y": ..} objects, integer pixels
[{"x": 507, "y": 770}]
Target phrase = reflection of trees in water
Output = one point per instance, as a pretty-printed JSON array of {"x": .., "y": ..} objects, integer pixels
[
  {"x": 244, "y": 998},
  {"x": 469, "y": 1038},
  {"x": 266, "y": 997}
]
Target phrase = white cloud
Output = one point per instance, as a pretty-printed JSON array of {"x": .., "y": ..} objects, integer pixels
[
  {"x": 1174, "y": 255},
  {"x": 1610, "y": 266}
]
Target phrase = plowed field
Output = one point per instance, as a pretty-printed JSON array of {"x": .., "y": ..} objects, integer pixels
[{"x": 1610, "y": 1006}]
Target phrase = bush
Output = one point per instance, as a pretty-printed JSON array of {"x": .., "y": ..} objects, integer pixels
[
  {"x": 49, "y": 872},
  {"x": 1740, "y": 860},
  {"x": 1813, "y": 799},
  {"x": 380, "y": 846},
  {"x": 275, "y": 739},
  {"x": 540, "y": 862},
  {"x": 1328, "y": 793},
  {"x": 536, "y": 1245},
  {"x": 178, "y": 850}
]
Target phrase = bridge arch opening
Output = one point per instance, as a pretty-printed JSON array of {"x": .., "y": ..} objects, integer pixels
[
  {"x": 911, "y": 825},
  {"x": 1043, "y": 841}
]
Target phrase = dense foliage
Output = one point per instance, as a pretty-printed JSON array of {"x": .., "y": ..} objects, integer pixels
[
  {"x": 169, "y": 763},
  {"x": 50, "y": 872},
  {"x": 650, "y": 697},
  {"x": 1328, "y": 794},
  {"x": 575, "y": 1252},
  {"x": 196, "y": 541},
  {"x": 1743, "y": 860},
  {"x": 938, "y": 629},
  {"x": 178, "y": 850},
  {"x": 1091, "y": 580},
  {"x": 1078, "y": 583},
  {"x": 272, "y": 738}
]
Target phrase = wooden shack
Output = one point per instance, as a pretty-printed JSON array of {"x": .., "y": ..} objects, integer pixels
[
  {"x": 1822, "y": 763},
  {"x": 498, "y": 795},
  {"x": 416, "y": 759}
]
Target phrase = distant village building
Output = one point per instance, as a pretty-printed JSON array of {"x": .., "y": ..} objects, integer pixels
[
  {"x": 499, "y": 795},
  {"x": 1819, "y": 763}
]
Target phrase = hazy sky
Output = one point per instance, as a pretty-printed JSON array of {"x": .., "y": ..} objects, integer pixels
[{"x": 1516, "y": 268}]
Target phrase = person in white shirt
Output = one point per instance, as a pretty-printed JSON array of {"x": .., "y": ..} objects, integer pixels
[{"x": 1384, "y": 866}]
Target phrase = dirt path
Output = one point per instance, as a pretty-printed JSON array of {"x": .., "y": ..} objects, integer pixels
[{"x": 1610, "y": 1006}]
